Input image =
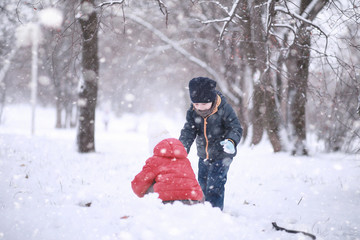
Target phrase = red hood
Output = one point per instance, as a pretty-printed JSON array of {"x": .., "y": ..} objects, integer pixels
[{"x": 170, "y": 148}]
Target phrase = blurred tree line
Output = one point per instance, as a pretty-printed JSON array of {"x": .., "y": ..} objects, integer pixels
[{"x": 289, "y": 68}]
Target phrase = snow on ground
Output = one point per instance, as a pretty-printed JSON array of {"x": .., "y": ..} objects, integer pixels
[{"x": 49, "y": 191}]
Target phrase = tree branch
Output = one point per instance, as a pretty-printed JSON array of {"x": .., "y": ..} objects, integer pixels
[
  {"x": 216, "y": 20},
  {"x": 231, "y": 16},
  {"x": 186, "y": 54},
  {"x": 303, "y": 19},
  {"x": 110, "y": 3},
  {"x": 277, "y": 228},
  {"x": 163, "y": 9},
  {"x": 226, "y": 20}
]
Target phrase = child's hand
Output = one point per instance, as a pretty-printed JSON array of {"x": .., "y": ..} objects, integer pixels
[{"x": 228, "y": 146}]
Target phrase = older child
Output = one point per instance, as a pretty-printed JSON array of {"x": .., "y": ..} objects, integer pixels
[
  {"x": 170, "y": 174},
  {"x": 213, "y": 123}
]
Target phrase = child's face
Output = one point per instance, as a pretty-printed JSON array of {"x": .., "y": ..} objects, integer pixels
[{"x": 202, "y": 106}]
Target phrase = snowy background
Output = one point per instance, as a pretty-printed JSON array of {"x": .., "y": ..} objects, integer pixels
[{"x": 49, "y": 191}]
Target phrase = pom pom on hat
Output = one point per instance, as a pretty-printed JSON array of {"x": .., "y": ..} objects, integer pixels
[{"x": 202, "y": 90}]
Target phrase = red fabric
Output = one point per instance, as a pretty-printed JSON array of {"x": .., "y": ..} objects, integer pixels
[{"x": 171, "y": 173}]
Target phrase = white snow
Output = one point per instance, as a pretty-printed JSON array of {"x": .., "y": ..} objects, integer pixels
[
  {"x": 27, "y": 34},
  {"x": 51, "y": 17},
  {"x": 49, "y": 191}
]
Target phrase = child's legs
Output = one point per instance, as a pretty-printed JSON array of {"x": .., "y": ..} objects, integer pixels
[
  {"x": 203, "y": 174},
  {"x": 214, "y": 180}
]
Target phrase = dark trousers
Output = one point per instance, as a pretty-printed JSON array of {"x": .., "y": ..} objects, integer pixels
[{"x": 212, "y": 178}]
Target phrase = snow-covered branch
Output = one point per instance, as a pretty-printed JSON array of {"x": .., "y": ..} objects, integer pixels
[
  {"x": 286, "y": 26},
  {"x": 294, "y": 15},
  {"x": 163, "y": 9},
  {"x": 181, "y": 42},
  {"x": 216, "y": 20},
  {"x": 303, "y": 19},
  {"x": 299, "y": 17},
  {"x": 310, "y": 8},
  {"x": 225, "y": 20},
  {"x": 269, "y": 9},
  {"x": 176, "y": 46},
  {"x": 110, "y": 3},
  {"x": 231, "y": 16},
  {"x": 155, "y": 51},
  {"x": 225, "y": 9}
]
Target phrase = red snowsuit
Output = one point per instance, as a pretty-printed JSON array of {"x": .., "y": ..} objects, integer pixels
[{"x": 171, "y": 173}]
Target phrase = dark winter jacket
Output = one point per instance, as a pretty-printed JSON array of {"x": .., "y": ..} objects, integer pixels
[
  {"x": 210, "y": 131},
  {"x": 170, "y": 173}
]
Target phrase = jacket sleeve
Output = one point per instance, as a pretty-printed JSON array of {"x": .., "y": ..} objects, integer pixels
[
  {"x": 188, "y": 132},
  {"x": 232, "y": 124},
  {"x": 143, "y": 180}
]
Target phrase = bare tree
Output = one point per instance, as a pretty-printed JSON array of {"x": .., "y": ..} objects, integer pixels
[
  {"x": 90, "y": 71},
  {"x": 7, "y": 48},
  {"x": 64, "y": 64},
  {"x": 261, "y": 42},
  {"x": 297, "y": 64},
  {"x": 267, "y": 48},
  {"x": 247, "y": 17},
  {"x": 336, "y": 83}
]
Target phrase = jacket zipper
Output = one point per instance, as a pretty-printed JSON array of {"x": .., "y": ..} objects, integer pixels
[
  {"x": 205, "y": 123},
  {"x": 206, "y": 139},
  {"x": 205, "y": 134}
]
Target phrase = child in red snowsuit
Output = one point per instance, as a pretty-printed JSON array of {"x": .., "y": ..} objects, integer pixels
[{"x": 170, "y": 173}]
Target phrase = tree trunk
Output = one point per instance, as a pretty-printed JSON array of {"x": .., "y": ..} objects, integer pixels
[
  {"x": 297, "y": 64},
  {"x": 258, "y": 114},
  {"x": 260, "y": 42},
  {"x": 272, "y": 116},
  {"x": 88, "y": 91},
  {"x": 58, "y": 123},
  {"x": 231, "y": 75},
  {"x": 358, "y": 108},
  {"x": 298, "y": 68},
  {"x": 246, "y": 57},
  {"x": 243, "y": 113}
]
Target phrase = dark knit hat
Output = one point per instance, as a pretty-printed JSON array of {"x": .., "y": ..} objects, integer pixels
[{"x": 202, "y": 90}]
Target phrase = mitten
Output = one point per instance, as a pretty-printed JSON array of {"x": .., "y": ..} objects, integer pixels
[{"x": 228, "y": 146}]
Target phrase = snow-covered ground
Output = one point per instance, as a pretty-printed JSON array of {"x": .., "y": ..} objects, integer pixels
[{"x": 49, "y": 191}]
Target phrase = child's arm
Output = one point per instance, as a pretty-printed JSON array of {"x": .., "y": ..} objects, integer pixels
[
  {"x": 189, "y": 132},
  {"x": 143, "y": 180}
]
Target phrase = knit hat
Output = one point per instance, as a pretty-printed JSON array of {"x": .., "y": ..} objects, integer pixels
[{"x": 202, "y": 90}]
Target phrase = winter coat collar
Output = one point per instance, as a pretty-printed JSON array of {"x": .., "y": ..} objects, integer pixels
[{"x": 212, "y": 110}]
